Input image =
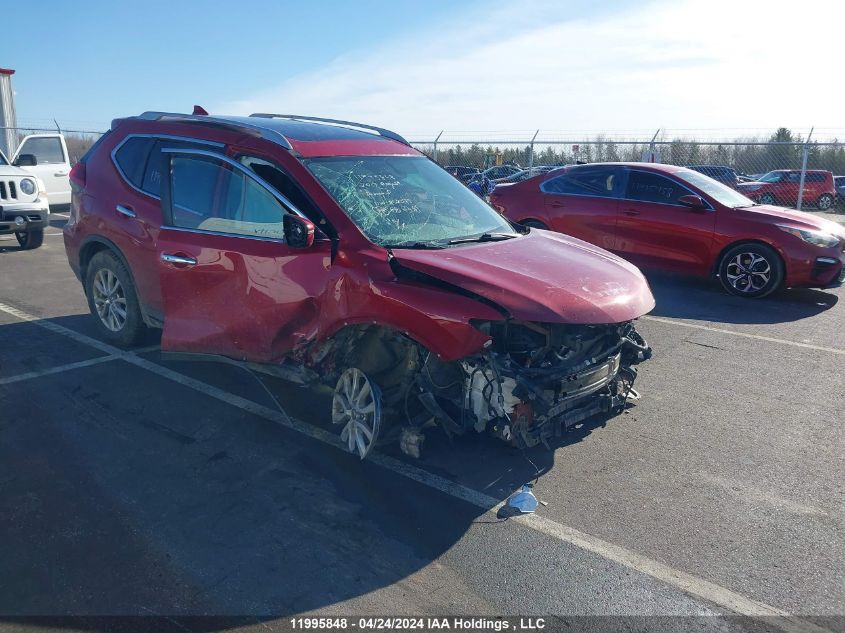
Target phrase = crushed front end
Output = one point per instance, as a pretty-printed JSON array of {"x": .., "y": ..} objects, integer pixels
[{"x": 534, "y": 380}]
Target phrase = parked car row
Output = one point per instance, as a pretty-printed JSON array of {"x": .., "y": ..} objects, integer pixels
[
  {"x": 334, "y": 252},
  {"x": 679, "y": 219}
]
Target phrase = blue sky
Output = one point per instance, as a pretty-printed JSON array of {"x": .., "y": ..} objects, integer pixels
[{"x": 428, "y": 65}]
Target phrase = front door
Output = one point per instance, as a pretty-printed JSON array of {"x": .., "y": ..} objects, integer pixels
[
  {"x": 230, "y": 284},
  {"x": 655, "y": 230},
  {"x": 53, "y": 166}
]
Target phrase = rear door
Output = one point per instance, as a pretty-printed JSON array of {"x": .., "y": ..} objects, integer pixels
[
  {"x": 584, "y": 202},
  {"x": 655, "y": 230},
  {"x": 53, "y": 164},
  {"x": 230, "y": 284}
]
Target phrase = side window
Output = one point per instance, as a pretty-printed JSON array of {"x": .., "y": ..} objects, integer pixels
[
  {"x": 651, "y": 187},
  {"x": 212, "y": 196},
  {"x": 46, "y": 150},
  {"x": 286, "y": 186},
  {"x": 131, "y": 157},
  {"x": 604, "y": 183},
  {"x": 156, "y": 166}
]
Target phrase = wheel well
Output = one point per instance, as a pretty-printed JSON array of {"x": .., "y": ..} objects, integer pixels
[
  {"x": 87, "y": 253},
  {"x": 759, "y": 242},
  {"x": 524, "y": 220},
  {"x": 96, "y": 245}
]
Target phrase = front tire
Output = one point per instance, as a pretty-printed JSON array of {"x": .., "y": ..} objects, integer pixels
[
  {"x": 825, "y": 201},
  {"x": 112, "y": 300},
  {"x": 750, "y": 270},
  {"x": 30, "y": 240}
]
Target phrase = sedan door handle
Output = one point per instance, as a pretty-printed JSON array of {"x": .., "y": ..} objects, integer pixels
[
  {"x": 122, "y": 209},
  {"x": 59, "y": 174},
  {"x": 631, "y": 212},
  {"x": 179, "y": 260}
]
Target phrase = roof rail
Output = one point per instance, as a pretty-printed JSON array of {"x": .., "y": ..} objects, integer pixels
[
  {"x": 263, "y": 132},
  {"x": 295, "y": 117}
]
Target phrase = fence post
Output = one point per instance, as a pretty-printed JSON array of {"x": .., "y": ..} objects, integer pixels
[
  {"x": 531, "y": 152},
  {"x": 435, "y": 145},
  {"x": 804, "y": 154}
]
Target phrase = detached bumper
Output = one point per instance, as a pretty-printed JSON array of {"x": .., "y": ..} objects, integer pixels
[{"x": 17, "y": 218}]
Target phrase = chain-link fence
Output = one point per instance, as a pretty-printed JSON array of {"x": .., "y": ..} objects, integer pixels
[{"x": 782, "y": 169}]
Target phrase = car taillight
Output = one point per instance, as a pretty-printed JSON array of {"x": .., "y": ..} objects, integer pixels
[{"x": 77, "y": 175}]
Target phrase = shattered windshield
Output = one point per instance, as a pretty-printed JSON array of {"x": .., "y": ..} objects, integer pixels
[{"x": 406, "y": 200}]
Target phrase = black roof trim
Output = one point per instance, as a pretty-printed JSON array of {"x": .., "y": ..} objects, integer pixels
[
  {"x": 259, "y": 130},
  {"x": 296, "y": 117}
]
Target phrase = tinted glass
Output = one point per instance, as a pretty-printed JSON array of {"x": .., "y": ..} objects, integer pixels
[
  {"x": 46, "y": 150},
  {"x": 155, "y": 166},
  {"x": 132, "y": 158},
  {"x": 285, "y": 185},
  {"x": 605, "y": 183},
  {"x": 814, "y": 177},
  {"x": 651, "y": 187},
  {"x": 212, "y": 196}
]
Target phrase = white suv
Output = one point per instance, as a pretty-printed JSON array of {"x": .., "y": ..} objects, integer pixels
[
  {"x": 45, "y": 156},
  {"x": 24, "y": 209}
]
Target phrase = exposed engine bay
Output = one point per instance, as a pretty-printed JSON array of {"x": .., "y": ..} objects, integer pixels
[{"x": 531, "y": 383}]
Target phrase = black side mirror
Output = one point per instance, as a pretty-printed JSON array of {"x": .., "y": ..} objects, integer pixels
[
  {"x": 26, "y": 160},
  {"x": 693, "y": 202},
  {"x": 299, "y": 232}
]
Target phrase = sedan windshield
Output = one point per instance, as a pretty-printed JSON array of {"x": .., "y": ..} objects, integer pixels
[
  {"x": 721, "y": 193},
  {"x": 406, "y": 201},
  {"x": 772, "y": 176}
]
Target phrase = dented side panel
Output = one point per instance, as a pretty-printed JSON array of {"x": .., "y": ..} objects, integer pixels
[{"x": 259, "y": 300}]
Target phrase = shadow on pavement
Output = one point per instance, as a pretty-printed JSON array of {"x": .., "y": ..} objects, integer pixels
[
  {"x": 693, "y": 298},
  {"x": 128, "y": 494}
]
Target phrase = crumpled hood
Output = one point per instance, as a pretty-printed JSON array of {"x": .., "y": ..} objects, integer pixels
[
  {"x": 796, "y": 218},
  {"x": 542, "y": 276}
]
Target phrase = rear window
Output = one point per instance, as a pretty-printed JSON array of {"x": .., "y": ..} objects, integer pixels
[
  {"x": 131, "y": 158},
  {"x": 814, "y": 177}
]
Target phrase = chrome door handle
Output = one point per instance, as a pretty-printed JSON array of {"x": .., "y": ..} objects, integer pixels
[
  {"x": 178, "y": 259},
  {"x": 59, "y": 174},
  {"x": 124, "y": 210}
]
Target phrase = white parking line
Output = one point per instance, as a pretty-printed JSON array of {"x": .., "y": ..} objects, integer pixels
[
  {"x": 56, "y": 370},
  {"x": 687, "y": 583},
  {"x": 769, "y": 339}
]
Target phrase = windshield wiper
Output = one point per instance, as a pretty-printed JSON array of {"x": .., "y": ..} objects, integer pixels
[
  {"x": 414, "y": 244},
  {"x": 484, "y": 237}
]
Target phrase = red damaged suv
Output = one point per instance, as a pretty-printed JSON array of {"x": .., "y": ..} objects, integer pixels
[
  {"x": 329, "y": 251},
  {"x": 678, "y": 219}
]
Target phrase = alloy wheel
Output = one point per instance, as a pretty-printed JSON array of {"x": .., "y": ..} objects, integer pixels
[
  {"x": 748, "y": 272},
  {"x": 825, "y": 202},
  {"x": 357, "y": 406},
  {"x": 109, "y": 299}
]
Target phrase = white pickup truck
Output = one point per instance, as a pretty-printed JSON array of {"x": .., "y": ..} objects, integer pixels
[
  {"x": 24, "y": 208},
  {"x": 45, "y": 156}
]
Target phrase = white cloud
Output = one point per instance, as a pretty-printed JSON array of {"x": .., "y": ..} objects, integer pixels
[{"x": 676, "y": 65}]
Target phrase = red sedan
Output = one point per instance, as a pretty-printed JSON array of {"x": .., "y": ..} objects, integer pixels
[{"x": 675, "y": 218}]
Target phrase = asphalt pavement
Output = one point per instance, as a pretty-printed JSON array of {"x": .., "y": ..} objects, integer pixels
[{"x": 134, "y": 485}]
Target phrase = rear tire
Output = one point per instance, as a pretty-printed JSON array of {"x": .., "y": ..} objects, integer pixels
[
  {"x": 30, "y": 240},
  {"x": 768, "y": 198},
  {"x": 534, "y": 224},
  {"x": 113, "y": 301},
  {"x": 825, "y": 201},
  {"x": 750, "y": 270}
]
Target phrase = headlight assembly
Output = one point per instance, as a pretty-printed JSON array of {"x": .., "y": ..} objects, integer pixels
[
  {"x": 27, "y": 186},
  {"x": 816, "y": 238}
]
